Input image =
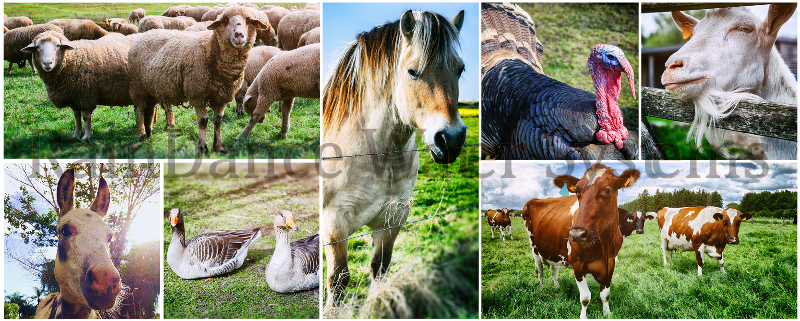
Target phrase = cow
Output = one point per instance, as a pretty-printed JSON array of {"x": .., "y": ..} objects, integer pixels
[
  {"x": 702, "y": 229},
  {"x": 629, "y": 222},
  {"x": 499, "y": 219},
  {"x": 579, "y": 230}
]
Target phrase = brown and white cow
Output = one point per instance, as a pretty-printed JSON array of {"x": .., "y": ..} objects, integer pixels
[
  {"x": 629, "y": 222},
  {"x": 579, "y": 230},
  {"x": 500, "y": 220},
  {"x": 700, "y": 229}
]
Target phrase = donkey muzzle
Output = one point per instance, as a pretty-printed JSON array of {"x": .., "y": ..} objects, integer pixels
[{"x": 100, "y": 286}]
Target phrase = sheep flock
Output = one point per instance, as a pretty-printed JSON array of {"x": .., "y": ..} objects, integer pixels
[{"x": 203, "y": 58}]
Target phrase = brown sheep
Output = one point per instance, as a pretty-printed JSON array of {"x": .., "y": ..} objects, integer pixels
[
  {"x": 267, "y": 7},
  {"x": 266, "y": 35},
  {"x": 77, "y": 29},
  {"x": 310, "y": 37},
  {"x": 204, "y": 68},
  {"x": 161, "y": 22},
  {"x": 114, "y": 23},
  {"x": 275, "y": 15},
  {"x": 196, "y": 12},
  {"x": 16, "y": 39},
  {"x": 211, "y": 15},
  {"x": 136, "y": 15},
  {"x": 105, "y": 26},
  {"x": 294, "y": 25},
  {"x": 257, "y": 59},
  {"x": 312, "y": 6},
  {"x": 127, "y": 29},
  {"x": 73, "y": 77},
  {"x": 200, "y": 26},
  {"x": 176, "y": 11},
  {"x": 287, "y": 75},
  {"x": 16, "y": 22}
]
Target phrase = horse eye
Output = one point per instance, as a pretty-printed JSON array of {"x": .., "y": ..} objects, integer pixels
[
  {"x": 413, "y": 73},
  {"x": 65, "y": 231}
]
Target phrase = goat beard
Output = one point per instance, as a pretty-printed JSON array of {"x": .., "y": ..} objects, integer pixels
[{"x": 709, "y": 108}]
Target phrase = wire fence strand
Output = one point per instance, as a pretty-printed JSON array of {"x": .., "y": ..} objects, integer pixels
[{"x": 387, "y": 153}]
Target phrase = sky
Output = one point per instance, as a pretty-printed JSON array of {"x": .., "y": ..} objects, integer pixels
[
  {"x": 788, "y": 30},
  {"x": 343, "y": 21},
  {"x": 145, "y": 227},
  {"x": 532, "y": 180}
]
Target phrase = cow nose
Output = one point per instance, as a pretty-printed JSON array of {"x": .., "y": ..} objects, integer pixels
[
  {"x": 674, "y": 64},
  {"x": 103, "y": 280},
  {"x": 577, "y": 235},
  {"x": 639, "y": 231},
  {"x": 733, "y": 240}
]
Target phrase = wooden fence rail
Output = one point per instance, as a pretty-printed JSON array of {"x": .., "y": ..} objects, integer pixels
[{"x": 683, "y": 6}]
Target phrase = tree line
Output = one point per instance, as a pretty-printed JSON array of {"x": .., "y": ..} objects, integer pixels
[{"x": 777, "y": 204}]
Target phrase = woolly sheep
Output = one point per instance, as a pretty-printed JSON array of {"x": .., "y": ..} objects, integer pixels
[
  {"x": 77, "y": 29},
  {"x": 204, "y": 68},
  {"x": 128, "y": 29},
  {"x": 16, "y": 22},
  {"x": 136, "y": 15},
  {"x": 114, "y": 23},
  {"x": 73, "y": 78},
  {"x": 255, "y": 61},
  {"x": 161, "y": 22},
  {"x": 275, "y": 14},
  {"x": 266, "y": 35},
  {"x": 312, "y": 6},
  {"x": 294, "y": 25},
  {"x": 16, "y": 39},
  {"x": 293, "y": 8},
  {"x": 200, "y": 26},
  {"x": 310, "y": 37},
  {"x": 176, "y": 11},
  {"x": 211, "y": 15},
  {"x": 267, "y": 7},
  {"x": 197, "y": 12},
  {"x": 287, "y": 75}
]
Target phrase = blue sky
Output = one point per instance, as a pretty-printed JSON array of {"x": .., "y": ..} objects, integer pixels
[
  {"x": 788, "y": 30},
  {"x": 343, "y": 21},
  {"x": 532, "y": 180}
]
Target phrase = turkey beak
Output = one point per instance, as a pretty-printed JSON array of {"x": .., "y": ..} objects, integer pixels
[
  {"x": 626, "y": 67},
  {"x": 290, "y": 223}
]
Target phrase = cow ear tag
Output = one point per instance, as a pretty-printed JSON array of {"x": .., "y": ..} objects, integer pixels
[{"x": 564, "y": 191}]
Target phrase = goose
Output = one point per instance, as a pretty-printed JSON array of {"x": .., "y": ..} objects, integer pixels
[
  {"x": 293, "y": 267},
  {"x": 209, "y": 254}
]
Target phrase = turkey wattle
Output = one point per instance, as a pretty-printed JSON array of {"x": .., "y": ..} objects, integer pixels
[{"x": 527, "y": 115}]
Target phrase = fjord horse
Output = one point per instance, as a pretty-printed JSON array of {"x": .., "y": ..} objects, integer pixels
[
  {"x": 86, "y": 276},
  {"x": 391, "y": 80}
]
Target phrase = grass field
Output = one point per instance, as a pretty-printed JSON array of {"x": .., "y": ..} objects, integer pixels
[
  {"x": 672, "y": 135},
  {"x": 34, "y": 128},
  {"x": 210, "y": 204},
  {"x": 760, "y": 283},
  {"x": 435, "y": 262}
]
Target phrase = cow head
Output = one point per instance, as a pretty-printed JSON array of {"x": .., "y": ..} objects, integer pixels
[
  {"x": 506, "y": 212},
  {"x": 597, "y": 198},
  {"x": 629, "y": 222},
  {"x": 732, "y": 222}
]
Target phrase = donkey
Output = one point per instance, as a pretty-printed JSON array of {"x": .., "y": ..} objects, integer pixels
[
  {"x": 84, "y": 271},
  {"x": 390, "y": 81},
  {"x": 731, "y": 56}
]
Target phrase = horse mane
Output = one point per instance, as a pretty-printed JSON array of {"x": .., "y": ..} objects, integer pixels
[{"x": 368, "y": 63}]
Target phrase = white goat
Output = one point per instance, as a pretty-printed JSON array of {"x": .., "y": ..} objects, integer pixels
[{"x": 731, "y": 57}]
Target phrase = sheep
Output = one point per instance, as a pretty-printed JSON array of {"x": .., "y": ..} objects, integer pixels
[
  {"x": 275, "y": 15},
  {"x": 5, "y": 29},
  {"x": 114, "y": 23},
  {"x": 211, "y": 15},
  {"x": 266, "y": 35},
  {"x": 127, "y": 29},
  {"x": 294, "y": 25},
  {"x": 312, "y": 6},
  {"x": 136, "y": 15},
  {"x": 16, "y": 39},
  {"x": 161, "y": 22},
  {"x": 310, "y": 37},
  {"x": 77, "y": 29},
  {"x": 267, "y": 7},
  {"x": 197, "y": 12},
  {"x": 255, "y": 61},
  {"x": 73, "y": 77},
  {"x": 204, "y": 68},
  {"x": 16, "y": 22},
  {"x": 286, "y": 76},
  {"x": 200, "y": 26},
  {"x": 176, "y": 11},
  {"x": 293, "y": 8}
]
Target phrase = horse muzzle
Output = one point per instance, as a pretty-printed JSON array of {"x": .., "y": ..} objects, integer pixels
[{"x": 448, "y": 143}]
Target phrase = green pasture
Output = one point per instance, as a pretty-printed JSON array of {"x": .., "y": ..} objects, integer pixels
[
  {"x": 760, "y": 283},
  {"x": 211, "y": 204},
  {"x": 34, "y": 128},
  {"x": 435, "y": 261}
]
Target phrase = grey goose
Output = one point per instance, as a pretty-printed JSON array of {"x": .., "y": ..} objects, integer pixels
[{"x": 294, "y": 266}]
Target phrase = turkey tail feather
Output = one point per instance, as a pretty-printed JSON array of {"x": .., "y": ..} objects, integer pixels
[{"x": 508, "y": 31}]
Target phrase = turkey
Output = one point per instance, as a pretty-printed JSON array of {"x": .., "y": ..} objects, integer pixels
[{"x": 527, "y": 115}]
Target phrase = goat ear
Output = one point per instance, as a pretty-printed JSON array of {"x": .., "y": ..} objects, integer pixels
[
  {"x": 684, "y": 22},
  {"x": 778, "y": 14},
  {"x": 102, "y": 200},
  {"x": 407, "y": 24},
  {"x": 569, "y": 180},
  {"x": 65, "y": 192},
  {"x": 458, "y": 21}
]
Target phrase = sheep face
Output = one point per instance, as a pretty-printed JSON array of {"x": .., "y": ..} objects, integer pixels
[
  {"x": 48, "y": 50},
  {"x": 237, "y": 26}
]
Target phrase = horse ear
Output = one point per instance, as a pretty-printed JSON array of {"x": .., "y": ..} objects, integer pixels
[
  {"x": 458, "y": 21},
  {"x": 102, "y": 200},
  {"x": 407, "y": 24},
  {"x": 778, "y": 14},
  {"x": 65, "y": 192},
  {"x": 684, "y": 22}
]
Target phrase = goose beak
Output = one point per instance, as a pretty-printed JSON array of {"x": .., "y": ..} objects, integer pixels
[
  {"x": 173, "y": 219},
  {"x": 290, "y": 223}
]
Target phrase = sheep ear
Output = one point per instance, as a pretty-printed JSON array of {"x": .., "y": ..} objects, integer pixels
[
  {"x": 66, "y": 45},
  {"x": 218, "y": 23},
  {"x": 458, "y": 21},
  {"x": 684, "y": 22},
  {"x": 29, "y": 49},
  {"x": 407, "y": 24},
  {"x": 778, "y": 14},
  {"x": 257, "y": 23}
]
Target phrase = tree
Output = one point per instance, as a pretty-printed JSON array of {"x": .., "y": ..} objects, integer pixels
[
  {"x": 140, "y": 270},
  {"x": 25, "y": 309},
  {"x": 11, "y": 311}
]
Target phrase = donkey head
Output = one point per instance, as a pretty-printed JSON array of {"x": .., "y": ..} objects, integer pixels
[
  {"x": 427, "y": 85},
  {"x": 84, "y": 270}
]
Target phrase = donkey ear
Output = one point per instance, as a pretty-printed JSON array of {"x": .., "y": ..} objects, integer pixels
[
  {"x": 102, "y": 200},
  {"x": 458, "y": 21},
  {"x": 778, "y": 14},
  {"x": 65, "y": 192},
  {"x": 684, "y": 22},
  {"x": 407, "y": 24}
]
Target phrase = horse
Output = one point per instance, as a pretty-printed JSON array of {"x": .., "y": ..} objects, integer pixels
[
  {"x": 391, "y": 80},
  {"x": 85, "y": 274}
]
